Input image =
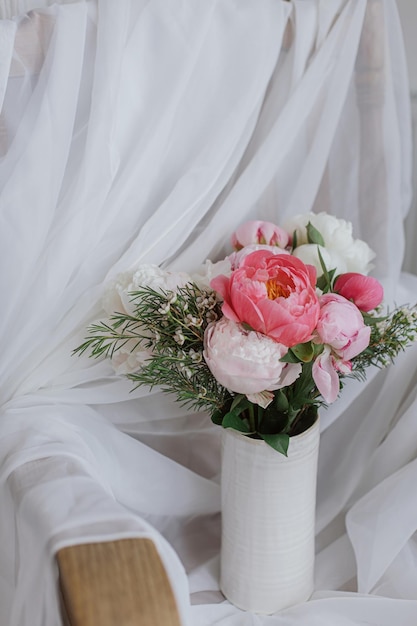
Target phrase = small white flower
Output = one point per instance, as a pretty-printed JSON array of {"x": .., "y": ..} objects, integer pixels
[
  {"x": 208, "y": 303},
  {"x": 185, "y": 370},
  {"x": 195, "y": 356},
  {"x": 164, "y": 309},
  {"x": 382, "y": 326},
  {"x": 410, "y": 316},
  {"x": 194, "y": 321},
  {"x": 211, "y": 316},
  {"x": 179, "y": 337}
]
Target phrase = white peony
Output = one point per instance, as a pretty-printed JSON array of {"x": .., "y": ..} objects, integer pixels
[
  {"x": 344, "y": 253},
  {"x": 130, "y": 357},
  {"x": 113, "y": 290},
  {"x": 308, "y": 254},
  {"x": 205, "y": 274},
  {"x": 117, "y": 299}
]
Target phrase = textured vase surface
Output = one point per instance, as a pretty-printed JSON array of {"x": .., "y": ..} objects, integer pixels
[{"x": 268, "y": 515}]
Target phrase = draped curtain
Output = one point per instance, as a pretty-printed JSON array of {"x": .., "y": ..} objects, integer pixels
[{"x": 146, "y": 131}]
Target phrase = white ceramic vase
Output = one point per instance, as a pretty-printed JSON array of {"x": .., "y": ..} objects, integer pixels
[{"x": 268, "y": 515}]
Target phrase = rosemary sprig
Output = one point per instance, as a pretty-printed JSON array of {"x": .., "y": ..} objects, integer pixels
[{"x": 390, "y": 335}]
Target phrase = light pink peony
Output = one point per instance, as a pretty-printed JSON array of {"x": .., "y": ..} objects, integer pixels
[
  {"x": 259, "y": 232},
  {"x": 341, "y": 326},
  {"x": 365, "y": 291},
  {"x": 273, "y": 294},
  {"x": 325, "y": 374},
  {"x": 245, "y": 361}
]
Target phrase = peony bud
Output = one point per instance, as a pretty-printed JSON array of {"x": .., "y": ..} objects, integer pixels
[{"x": 364, "y": 291}]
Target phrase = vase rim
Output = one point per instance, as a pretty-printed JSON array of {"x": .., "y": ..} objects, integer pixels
[{"x": 296, "y": 438}]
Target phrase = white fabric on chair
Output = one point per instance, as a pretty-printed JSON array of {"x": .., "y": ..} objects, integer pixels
[{"x": 147, "y": 131}]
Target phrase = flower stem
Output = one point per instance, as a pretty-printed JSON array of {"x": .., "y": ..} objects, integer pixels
[{"x": 252, "y": 418}]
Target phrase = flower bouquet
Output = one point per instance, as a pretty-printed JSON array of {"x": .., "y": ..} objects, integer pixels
[
  {"x": 260, "y": 340},
  {"x": 263, "y": 338}
]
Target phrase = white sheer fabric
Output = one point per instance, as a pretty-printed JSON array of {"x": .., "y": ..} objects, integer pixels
[{"x": 147, "y": 130}]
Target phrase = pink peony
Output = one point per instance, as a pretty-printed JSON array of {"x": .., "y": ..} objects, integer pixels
[
  {"x": 259, "y": 232},
  {"x": 244, "y": 361},
  {"x": 236, "y": 258},
  {"x": 272, "y": 294},
  {"x": 341, "y": 326},
  {"x": 325, "y": 374},
  {"x": 365, "y": 291}
]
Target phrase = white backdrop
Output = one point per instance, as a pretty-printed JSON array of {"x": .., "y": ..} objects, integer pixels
[
  {"x": 146, "y": 131},
  {"x": 408, "y": 17}
]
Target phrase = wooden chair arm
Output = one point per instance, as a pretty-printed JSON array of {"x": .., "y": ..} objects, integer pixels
[{"x": 115, "y": 583}]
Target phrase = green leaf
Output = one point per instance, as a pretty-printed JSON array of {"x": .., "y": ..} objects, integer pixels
[
  {"x": 304, "y": 351},
  {"x": 322, "y": 283},
  {"x": 318, "y": 348},
  {"x": 294, "y": 240},
  {"x": 314, "y": 236},
  {"x": 280, "y": 401},
  {"x": 246, "y": 326},
  {"x": 293, "y": 412},
  {"x": 231, "y": 420},
  {"x": 217, "y": 417},
  {"x": 325, "y": 281},
  {"x": 279, "y": 442},
  {"x": 239, "y": 401},
  {"x": 290, "y": 357},
  {"x": 323, "y": 266},
  {"x": 370, "y": 319},
  {"x": 332, "y": 274}
]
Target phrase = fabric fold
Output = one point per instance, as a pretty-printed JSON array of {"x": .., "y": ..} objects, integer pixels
[{"x": 145, "y": 132}]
